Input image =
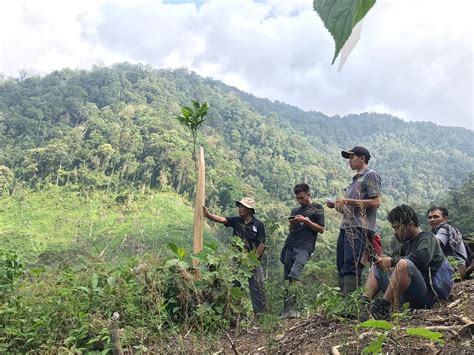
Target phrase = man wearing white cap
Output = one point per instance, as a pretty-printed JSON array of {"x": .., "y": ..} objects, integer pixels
[{"x": 252, "y": 232}]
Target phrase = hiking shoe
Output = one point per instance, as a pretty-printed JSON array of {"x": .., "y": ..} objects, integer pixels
[
  {"x": 381, "y": 309},
  {"x": 290, "y": 314},
  {"x": 364, "y": 313}
]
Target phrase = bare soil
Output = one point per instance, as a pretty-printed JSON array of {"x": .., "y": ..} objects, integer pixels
[{"x": 318, "y": 334}]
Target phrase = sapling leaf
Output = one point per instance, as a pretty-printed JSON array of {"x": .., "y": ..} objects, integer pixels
[
  {"x": 427, "y": 334},
  {"x": 379, "y": 324},
  {"x": 375, "y": 347}
]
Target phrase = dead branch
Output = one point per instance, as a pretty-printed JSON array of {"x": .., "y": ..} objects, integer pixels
[
  {"x": 463, "y": 319},
  {"x": 123, "y": 241},
  {"x": 437, "y": 320},
  {"x": 232, "y": 344},
  {"x": 335, "y": 349},
  {"x": 451, "y": 305},
  {"x": 442, "y": 328}
]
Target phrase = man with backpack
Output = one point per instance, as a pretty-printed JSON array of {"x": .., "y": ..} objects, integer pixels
[
  {"x": 449, "y": 237},
  {"x": 417, "y": 272}
]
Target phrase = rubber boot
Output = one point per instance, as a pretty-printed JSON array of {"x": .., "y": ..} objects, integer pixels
[
  {"x": 289, "y": 307},
  {"x": 340, "y": 283},
  {"x": 350, "y": 284}
]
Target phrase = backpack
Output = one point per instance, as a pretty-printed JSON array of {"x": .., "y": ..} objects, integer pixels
[
  {"x": 442, "y": 280},
  {"x": 454, "y": 237}
]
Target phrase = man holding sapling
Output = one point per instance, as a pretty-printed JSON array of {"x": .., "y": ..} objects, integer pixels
[
  {"x": 252, "y": 232},
  {"x": 305, "y": 222},
  {"x": 359, "y": 212},
  {"x": 417, "y": 272}
]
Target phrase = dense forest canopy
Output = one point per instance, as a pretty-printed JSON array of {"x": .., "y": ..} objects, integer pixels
[{"x": 112, "y": 128}]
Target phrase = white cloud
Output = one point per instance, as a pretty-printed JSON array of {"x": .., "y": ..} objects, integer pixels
[{"x": 414, "y": 57}]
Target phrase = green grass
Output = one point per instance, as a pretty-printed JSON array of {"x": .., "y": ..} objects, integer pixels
[{"x": 58, "y": 224}]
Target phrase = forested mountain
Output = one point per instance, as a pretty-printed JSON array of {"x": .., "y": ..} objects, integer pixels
[
  {"x": 91, "y": 165},
  {"x": 113, "y": 128}
]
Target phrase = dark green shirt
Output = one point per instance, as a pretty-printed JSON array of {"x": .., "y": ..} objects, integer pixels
[{"x": 424, "y": 251}]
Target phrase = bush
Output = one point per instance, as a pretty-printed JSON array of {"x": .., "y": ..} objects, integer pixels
[{"x": 71, "y": 309}]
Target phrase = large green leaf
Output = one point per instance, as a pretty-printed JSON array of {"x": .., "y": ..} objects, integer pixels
[
  {"x": 340, "y": 17},
  {"x": 426, "y": 333},
  {"x": 375, "y": 347},
  {"x": 374, "y": 323}
]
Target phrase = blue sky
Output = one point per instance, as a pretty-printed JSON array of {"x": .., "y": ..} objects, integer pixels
[{"x": 414, "y": 59}]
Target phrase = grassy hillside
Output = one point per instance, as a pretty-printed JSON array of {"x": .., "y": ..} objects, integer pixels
[{"x": 60, "y": 225}]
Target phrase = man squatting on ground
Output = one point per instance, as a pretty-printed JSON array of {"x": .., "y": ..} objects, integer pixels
[
  {"x": 305, "y": 223},
  {"x": 417, "y": 272},
  {"x": 450, "y": 238},
  {"x": 252, "y": 232},
  {"x": 359, "y": 213}
]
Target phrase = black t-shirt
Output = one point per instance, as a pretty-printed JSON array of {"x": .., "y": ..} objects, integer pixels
[
  {"x": 301, "y": 236},
  {"x": 252, "y": 234}
]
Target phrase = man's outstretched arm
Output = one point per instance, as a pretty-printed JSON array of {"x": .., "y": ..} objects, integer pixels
[{"x": 214, "y": 217}]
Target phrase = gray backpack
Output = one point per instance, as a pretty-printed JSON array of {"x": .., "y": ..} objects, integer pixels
[{"x": 455, "y": 237}]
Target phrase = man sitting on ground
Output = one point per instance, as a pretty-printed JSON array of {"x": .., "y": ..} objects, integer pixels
[
  {"x": 414, "y": 271},
  {"x": 449, "y": 237}
]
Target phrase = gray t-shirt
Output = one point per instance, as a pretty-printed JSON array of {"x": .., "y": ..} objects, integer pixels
[{"x": 365, "y": 185}]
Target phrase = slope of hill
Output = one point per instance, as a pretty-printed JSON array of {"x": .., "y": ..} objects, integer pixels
[
  {"x": 323, "y": 334},
  {"x": 59, "y": 226},
  {"x": 83, "y": 155}
]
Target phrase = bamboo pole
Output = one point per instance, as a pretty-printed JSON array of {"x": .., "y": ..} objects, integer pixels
[{"x": 198, "y": 209}]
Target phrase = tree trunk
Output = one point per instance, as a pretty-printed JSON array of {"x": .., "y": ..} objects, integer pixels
[{"x": 200, "y": 200}]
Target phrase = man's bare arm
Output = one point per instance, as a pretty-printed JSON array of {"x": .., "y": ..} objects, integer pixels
[
  {"x": 371, "y": 202},
  {"x": 260, "y": 249},
  {"x": 214, "y": 217}
]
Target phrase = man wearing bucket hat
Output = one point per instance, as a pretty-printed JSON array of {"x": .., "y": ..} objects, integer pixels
[
  {"x": 359, "y": 211},
  {"x": 252, "y": 232}
]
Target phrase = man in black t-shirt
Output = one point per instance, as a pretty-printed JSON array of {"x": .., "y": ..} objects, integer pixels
[
  {"x": 252, "y": 232},
  {"x": 305, "y": 223}
]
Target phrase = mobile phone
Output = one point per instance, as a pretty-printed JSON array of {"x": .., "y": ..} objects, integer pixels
[{"x": 291, "y": 217}]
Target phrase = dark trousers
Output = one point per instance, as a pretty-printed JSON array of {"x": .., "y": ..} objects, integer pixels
[
  {"x": 294, "y": 261},
  {"x": 350, "y": 248},
  {"x": 256, "y": 290}
]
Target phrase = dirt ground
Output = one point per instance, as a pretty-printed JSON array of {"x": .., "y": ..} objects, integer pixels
[{"x": 320, "y": 335}]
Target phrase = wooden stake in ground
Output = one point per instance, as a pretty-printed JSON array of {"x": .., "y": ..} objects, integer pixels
[
  {"x": 198, "y": 208},
  {"x": 115, "y": 334}
]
